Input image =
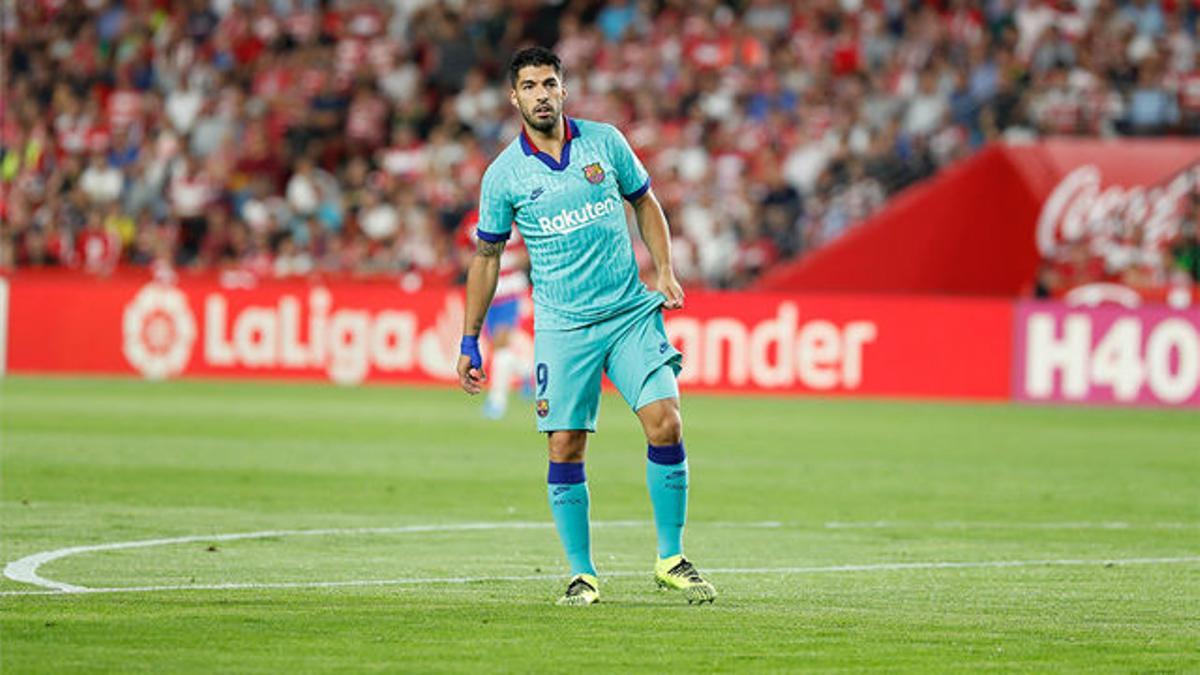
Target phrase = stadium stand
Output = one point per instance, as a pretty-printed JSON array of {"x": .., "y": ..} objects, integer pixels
[{"x": 294, "y": 137}]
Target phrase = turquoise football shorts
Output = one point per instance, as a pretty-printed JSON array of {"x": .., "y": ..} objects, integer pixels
[{"x": 631, "y": 348}]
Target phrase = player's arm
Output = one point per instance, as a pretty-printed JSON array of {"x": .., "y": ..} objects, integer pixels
[
  {"x": 652, "y": 224},
  {"x": 481, "y": 287}
]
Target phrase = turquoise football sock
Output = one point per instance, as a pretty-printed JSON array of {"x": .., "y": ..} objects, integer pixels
[
  {"x": 569, "y": 502},
  {"x": 667, "y": 478}
]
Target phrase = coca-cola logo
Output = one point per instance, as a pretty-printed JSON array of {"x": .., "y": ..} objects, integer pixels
[
  {"x": 159, "y": 331},
  {"x": 1079, "y": 209}
]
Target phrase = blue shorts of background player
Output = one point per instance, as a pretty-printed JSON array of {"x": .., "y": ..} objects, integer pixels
[{"x": 503, "y": 315}]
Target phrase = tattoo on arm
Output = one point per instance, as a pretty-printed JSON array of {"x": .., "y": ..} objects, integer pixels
[
  {"x": 485, "y": 249},
  {"x": 489, "y": 249}
]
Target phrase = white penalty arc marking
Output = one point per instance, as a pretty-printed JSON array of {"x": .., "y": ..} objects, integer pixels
[{"x": 25, "y": 570}]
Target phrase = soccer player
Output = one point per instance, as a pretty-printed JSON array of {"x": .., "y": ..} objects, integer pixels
[{"x": 563, "y": 182}]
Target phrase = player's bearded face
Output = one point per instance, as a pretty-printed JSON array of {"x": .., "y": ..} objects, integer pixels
[{"x": 539, "y": 96}]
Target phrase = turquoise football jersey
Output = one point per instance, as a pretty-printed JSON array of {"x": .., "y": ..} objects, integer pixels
[{"x": 571, "y": 215}]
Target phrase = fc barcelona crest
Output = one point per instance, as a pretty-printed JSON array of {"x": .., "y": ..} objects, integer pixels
[
  {"x": 594, "y": 173},
  {"x": 543, "y": 407}
]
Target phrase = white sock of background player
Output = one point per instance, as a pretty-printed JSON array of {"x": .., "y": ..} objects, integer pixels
[{"x": 504, "y": 365}]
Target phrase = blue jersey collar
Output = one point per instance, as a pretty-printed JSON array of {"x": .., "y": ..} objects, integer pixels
[{"x": 572, "y": 132}]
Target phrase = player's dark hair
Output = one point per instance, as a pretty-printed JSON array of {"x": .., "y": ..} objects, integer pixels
[{"x": 532, "y": 56}]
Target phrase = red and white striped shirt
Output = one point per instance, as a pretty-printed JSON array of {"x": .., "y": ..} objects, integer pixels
[{"x": 512, "y": 282}]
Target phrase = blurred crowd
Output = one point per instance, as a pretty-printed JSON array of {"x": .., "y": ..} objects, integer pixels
[{"x": 296, "y": 137}]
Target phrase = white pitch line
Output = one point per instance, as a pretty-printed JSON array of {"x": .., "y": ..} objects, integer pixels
[
  {"x": 25, "y": 570},
  {"x": 880, "y": 567},
  {"x": 985, "y": 525}
]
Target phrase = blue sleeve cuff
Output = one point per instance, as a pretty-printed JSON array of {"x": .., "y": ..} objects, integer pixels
[
  {"x": 492, "y": 237},
  {"x": 637, "y": 194}
]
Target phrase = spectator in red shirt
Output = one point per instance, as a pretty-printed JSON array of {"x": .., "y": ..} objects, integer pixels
[
  {"x": 365, "y": 120},
  {"x": 96, "y": 248},
  {"x": 125, "y": 103}
]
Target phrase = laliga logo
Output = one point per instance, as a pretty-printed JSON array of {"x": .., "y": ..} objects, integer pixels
[
  {"x": 159, "y": 331},
  {"x": 346, "y": 343}
]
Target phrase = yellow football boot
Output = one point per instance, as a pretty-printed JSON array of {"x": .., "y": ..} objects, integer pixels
[
  {"x": 584, "y": 589},
  {"x": 676, "y": 573}
]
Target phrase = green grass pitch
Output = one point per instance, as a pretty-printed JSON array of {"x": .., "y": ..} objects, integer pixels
[{"x": 822, "y": 523}]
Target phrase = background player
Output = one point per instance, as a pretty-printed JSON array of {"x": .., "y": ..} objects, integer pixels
[
  {"x": 562, "y": 182},
  {"x": 503, "y": 319}
]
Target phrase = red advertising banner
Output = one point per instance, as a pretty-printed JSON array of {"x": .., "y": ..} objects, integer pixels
[
  {"x": 877, "y": 346},
  {"x": 352, "y": 332},
  {"x": 347, "y": 332},
  {"x": 1107, "y": 355}
]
